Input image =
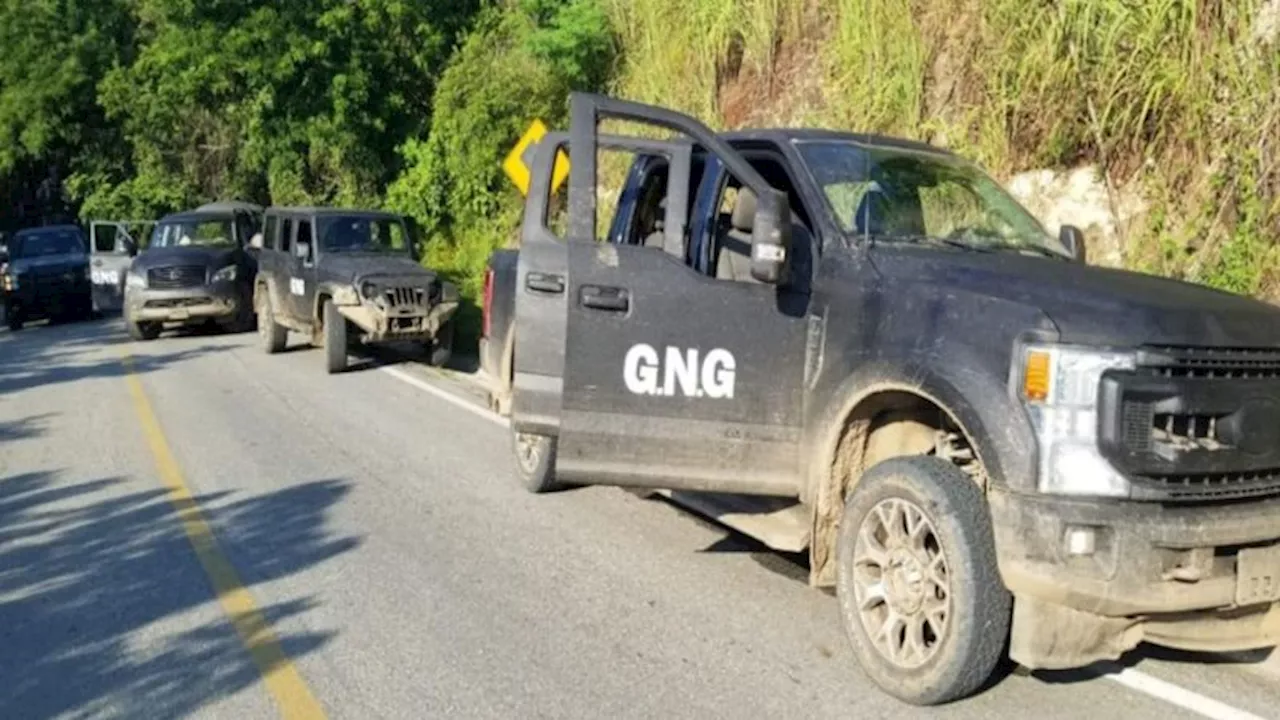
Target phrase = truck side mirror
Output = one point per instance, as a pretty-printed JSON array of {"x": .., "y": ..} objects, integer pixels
[
  {"x": 302, "y": 251},
  {"x": 771, "y": 238},
  {"x": 1072, "y": 238},
  {"x": 130, "y": 247}
]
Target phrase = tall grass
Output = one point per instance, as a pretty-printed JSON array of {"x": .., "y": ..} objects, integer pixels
[{"x": 1174, "y": 99}]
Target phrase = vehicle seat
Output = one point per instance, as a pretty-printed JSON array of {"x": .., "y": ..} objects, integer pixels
[
  {"x": 733, "y": 246},
  {"x": 879, "y": 213},
  {"x": 656, "y": 237}
]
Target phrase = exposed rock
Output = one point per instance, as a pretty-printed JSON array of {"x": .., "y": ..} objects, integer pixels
[{"x": 1079, "y": 197}]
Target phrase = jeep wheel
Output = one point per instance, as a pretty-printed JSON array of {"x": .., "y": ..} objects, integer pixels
[
  {"x": 335, "y": 339},
  {"x": 272, "y": 335},
  {"x": 920, "y": 595},
  {"x": 441, "y": 347},
  {"x": 536, "y": 461},
  {"x": 144, "y": 330}
]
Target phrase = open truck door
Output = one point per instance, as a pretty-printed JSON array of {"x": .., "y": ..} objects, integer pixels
[
  {"x": 646, "y": 372},
  {"x": 112, "y": 246}
]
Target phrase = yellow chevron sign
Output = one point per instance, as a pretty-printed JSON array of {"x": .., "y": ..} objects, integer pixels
[{"x": 517, "y": 163}]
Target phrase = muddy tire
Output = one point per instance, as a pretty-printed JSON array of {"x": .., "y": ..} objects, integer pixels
[
  {"x": 335, "y": 339},
  {"x": 920, "y": 593},
  {"x": 535, "y": 462},
  {"x": 14, "y": 319},
  {"x": 271, "y": 334},
  {"x": 441, "y": 348},
  {"x": 143, "y": 331}
]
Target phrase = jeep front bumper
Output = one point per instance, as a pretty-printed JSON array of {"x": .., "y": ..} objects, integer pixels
[
  {"x": 399, "y": 323},
  {"x": 1093, "y": 578}
]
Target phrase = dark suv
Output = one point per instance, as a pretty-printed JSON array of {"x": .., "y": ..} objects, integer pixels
[
  {"x": 46, "y": 274},
  {"x": 197, "y": 269},
  {"x": 344, "y": 277}
]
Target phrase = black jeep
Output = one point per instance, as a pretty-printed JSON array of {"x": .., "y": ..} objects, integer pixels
[
  {"x": 346, "y": 277},
  {"x": 197, "y": 269},
  {"x": 46, "y": 274}
]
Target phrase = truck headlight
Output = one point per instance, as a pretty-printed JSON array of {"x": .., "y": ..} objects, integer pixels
[
  {"x": 1059, "y": 386},
  {"x": 11, "y": 282},
  {"x": 136, "y": 281},
  {"x": 226, "y": 274}
]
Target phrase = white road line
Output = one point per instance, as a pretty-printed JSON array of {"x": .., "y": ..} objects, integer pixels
[
  {"x": 1132, "y": 679},
  {"x": 447, "y": 396},
  {"x": 1180, "y": 696}
]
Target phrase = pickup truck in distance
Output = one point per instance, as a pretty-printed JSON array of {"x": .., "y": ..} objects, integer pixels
[{"x": 872, "y": 352}]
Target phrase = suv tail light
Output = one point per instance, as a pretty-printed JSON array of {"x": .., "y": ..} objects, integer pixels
[{"x": 488, "y": 301}]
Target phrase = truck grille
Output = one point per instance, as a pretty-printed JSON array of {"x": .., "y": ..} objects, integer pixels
[
  {"x": 1195, "y": 423},
  {"x": 176, "y": 277},
  {"x": 1209, "y": 363},
  {"x": 406, "y": 297}
]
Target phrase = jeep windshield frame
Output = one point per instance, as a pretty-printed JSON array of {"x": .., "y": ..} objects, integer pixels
[
  {"x": 372, "y": 233},
  {"x": 896, "y": 194}
]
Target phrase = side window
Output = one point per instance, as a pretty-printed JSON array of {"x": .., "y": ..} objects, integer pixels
[
  {"x": 286, "y": 235},
  {"x": 270, "y": 233},
  {"x": 304, "y": 236},
  {"x": 732, "y": 226}
]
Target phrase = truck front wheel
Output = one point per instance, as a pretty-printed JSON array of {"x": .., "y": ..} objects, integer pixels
[
  {"x": 144, "y": 330},
  {"x": 920, "y": 594},
  {"x": 335, "y": 339},
  {"x": 536, "y": 461}
]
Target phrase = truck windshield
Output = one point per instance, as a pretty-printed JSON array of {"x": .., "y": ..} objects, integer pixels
[
  {"x": 355, "y": 233},
  {"x": 904, "y": 195},
  {"x": 201, "y": 233},
  {"x": 60, "y": 242}
]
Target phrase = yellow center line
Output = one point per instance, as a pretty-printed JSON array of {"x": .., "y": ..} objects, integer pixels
[{"x": 283, "y": 681}]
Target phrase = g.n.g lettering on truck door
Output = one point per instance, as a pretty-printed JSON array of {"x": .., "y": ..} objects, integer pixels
[{"x": 686, "y": 372}]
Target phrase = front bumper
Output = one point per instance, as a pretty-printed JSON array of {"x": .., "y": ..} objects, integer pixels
[
  {"x": 36, "y": 297},
  {"x": 379, "y": 324},
  {"x": 214, "y": 301},
  {"x": 1194, "y": 577}
]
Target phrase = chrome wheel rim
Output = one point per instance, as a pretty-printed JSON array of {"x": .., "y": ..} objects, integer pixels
[
  {"x": 528, "y": 451},
  {"x": 901, "y": 583}
]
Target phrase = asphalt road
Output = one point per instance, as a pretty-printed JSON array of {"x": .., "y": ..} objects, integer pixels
[{"x": 375, "y": 558}]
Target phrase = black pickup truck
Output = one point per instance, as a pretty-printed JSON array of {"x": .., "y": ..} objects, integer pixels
[{"x": 870, "y": 351}]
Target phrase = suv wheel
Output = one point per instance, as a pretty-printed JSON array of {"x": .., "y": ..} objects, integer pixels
[
  {"x": 13, "y": 317},
  {"x": 536, "y": 461},
  {"x": 335, "y": 339},
  {"x": 144, "y": 330},
  {"x": 442, "y": 346},
  {"x": 273, "y": 336},
  {"x": 920, "y": 594}
]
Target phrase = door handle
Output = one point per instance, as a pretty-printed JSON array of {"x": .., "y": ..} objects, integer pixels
[
  {"x": 606, "y": 298},
  {"x": 544, "y": 283}
]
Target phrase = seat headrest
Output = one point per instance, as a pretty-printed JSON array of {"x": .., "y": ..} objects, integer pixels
[{"x": 744, "y": 210}]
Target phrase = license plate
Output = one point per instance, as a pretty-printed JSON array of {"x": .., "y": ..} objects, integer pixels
[
  {"x": 180, "y": 315},
  {"x": 1258, "y": 576}
]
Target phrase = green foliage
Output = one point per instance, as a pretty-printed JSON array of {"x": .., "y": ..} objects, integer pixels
[{"x": 519, "y": 63}]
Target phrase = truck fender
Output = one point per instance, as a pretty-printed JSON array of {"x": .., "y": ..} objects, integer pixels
[{"x": 993, "y": 424}]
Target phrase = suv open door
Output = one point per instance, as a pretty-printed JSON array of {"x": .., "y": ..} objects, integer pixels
[
  {"x": 112, "y": 246},
  {"x": 644, "y": 371}
]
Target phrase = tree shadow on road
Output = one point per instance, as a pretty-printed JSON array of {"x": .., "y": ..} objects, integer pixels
[
  {"x": 104, "y": 608},
  {"x": 65, "y": 355}
]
